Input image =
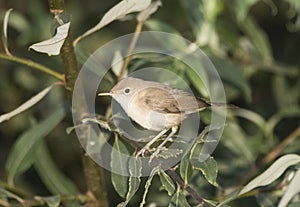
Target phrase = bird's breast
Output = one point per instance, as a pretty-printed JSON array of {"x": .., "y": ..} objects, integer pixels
[{"x": 150, "y": 119}]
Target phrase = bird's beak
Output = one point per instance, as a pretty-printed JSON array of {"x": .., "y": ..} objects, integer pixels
[{"x": 105, "y": 94}]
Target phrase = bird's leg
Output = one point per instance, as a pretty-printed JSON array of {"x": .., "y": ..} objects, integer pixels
[
  {"x": 155, "y": 153},
  {"x": 148, "y": 145}
]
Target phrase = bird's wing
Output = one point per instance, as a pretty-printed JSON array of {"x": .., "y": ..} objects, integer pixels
[{"x": 171, "y": 100}]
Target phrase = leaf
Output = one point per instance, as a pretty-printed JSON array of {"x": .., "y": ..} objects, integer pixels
[
  {"x": 175, "y": 44},
  {"x": 21, "y": 156},
  {"x": 167, "y": 182},
  {"x": 148, "y": 184},
  {"x": 144, "y": 15},
  {"x": 6, "y": 194},
  {"x": 53, "y": 45},
  {"x": 51, "y": 201},
  {"x": 272, "y": 173},
  {"x": 5, "y": 26},
  {"x": 119, "y": 164},
  {"x": 231, "y": 73},
  {"x": 55, "y": 181},
  {"x": 242, "y": 8},
  {"x": 209, "y": 169},
  {"x": 118, "y": 11},
  {"x": 179, "y": 200},
  {"x": 291, "y": 190},
  {"x": 186, "y": 170},
  {"x": 251, "y": 116},
  {"x": 117, "y": 64},
  {"x": 32, "y": 101},
  {"x": 135, "y": 170},
  {"x": 258, "y": 38}
]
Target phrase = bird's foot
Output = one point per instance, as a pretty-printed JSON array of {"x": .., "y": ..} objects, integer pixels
[{"x": 142, "y": 151}]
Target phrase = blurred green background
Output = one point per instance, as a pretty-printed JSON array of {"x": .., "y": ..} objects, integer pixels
[{"x": 256, "y": 51}]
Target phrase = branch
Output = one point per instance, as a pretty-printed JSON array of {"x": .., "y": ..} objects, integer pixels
[
  {"x": 135, "y": 37},
  {"x": 188, "y": 188},
  {"x": 280, "y": 147},
  {"x": 33, "y": 65},
  {"x": 40, "y": 201},
  {"x": 94, "y": 175}
]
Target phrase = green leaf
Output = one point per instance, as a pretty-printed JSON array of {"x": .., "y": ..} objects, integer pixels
[
  {"x": 272, "y": 173},
  {"x": 242, "y": 8},
  {"x": 51, "y": 201},
  {"x": 148, "y": 184},
  {"x": 119, "y": 164},
  {"x": 55, "y": 181},
  {"x": 198, "y": 82},
  {"x": 209, "y": 169},
  {"x": 186, "y": 170},
  {"x": 258, "y": 38},
  {"x": 291, "y": 190},
  {"x": 22, "y": 155},
  {"x": 179, "y": 200},
  {"x": 6, "y": 194},
  {"x": 5, "y": 26},
  {"x": 172, "y": 43},
  {"x": 167, "y": 182},
  {"x": 135, "y": 170},
  {"x": 232, "y": 73},
  {"x": 236, "y": 140}
]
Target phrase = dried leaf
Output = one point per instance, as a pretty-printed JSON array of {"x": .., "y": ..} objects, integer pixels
[
  {"x": 53, "y": 45},
  {"x": 5, "y": 25},
  {"x": 32, "y": 101},
  {"x": 117, "y": 64},
  {"x": 117, "y": 12},
  {"x": 272, "y": 173},
  {"x": 144, "y": 15},
  {"x": 291, "y": 191}
]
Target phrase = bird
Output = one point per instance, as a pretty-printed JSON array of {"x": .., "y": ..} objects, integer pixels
[{"x": 156, "y": 106}]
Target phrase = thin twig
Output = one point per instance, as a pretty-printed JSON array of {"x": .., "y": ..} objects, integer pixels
[
  {"x": 188, "y": 188},
  {"x": 33, "y": 65},
  {"x": 280, "y": 147},
  {"x": 40, "y": 201},
  {"x": 135, "y": 37}
]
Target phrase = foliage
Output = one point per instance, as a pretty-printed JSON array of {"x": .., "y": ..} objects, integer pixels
[{"x": 254, "y": 45}]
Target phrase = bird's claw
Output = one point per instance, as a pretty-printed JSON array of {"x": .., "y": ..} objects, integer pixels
[{"x": 142, "y": 152}]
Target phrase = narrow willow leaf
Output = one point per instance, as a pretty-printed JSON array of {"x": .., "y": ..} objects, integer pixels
[
  {"x": 119, "y": 163},
  {"x": 32, "y": 101},
  {"x": 259, "y": 39},
  {"x": 53, "y": 45},
  {"x": 209, "y": 169},
  {"x": 186, "y": 170},
  {"x": 5, "y": 26},
  {"x": 179, "y": 200},
  {"x": 51, "y": 201},
  {"x": 6, "y": 194},
  {"x": 117, "y": 64},
  {"x": 148, "y": 184},
  {"x": 167, "y": 182},
  {"x": 135, "y": 170},
  {"x": 291, "y": 190},
  {"x": 232, "y": 73},
  {"x": 22, "y": 155},
  {"x": 144, "y": 15},
  {"x": 251, "y": 116},
  {"x": 118, "y": 11},
  {"x": 175, "y": 44},
  {"x": 55, "y": 181},
  {"x": 242, "y": 8},
  {"x": 272, "y": 173}
]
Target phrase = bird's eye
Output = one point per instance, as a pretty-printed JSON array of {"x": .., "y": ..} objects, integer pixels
[{"x": 127, "y": 90}]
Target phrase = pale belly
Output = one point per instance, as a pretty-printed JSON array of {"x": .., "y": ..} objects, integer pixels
[{"x": 153, "y": 120}]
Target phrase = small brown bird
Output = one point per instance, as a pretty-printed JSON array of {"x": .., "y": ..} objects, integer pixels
[{"x": 156, "y": 106}]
